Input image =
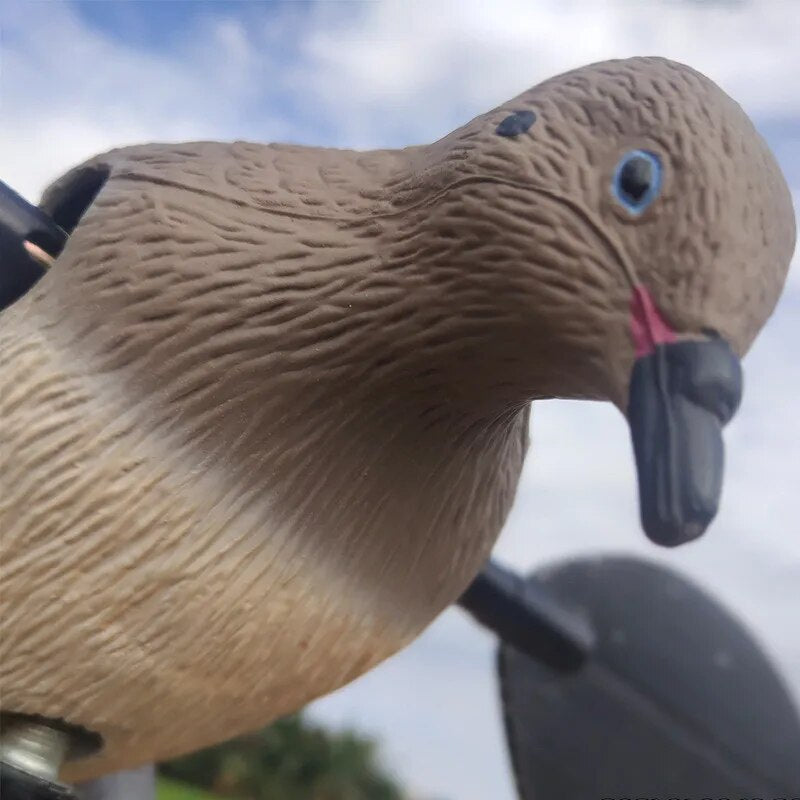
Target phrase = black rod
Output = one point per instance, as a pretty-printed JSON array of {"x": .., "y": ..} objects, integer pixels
[
  {"x": 29, "y": 240},
  {"x": 525, "y": 614}
]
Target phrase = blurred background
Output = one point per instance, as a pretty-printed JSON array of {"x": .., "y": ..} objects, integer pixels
[{"x": 77, "y": 78}]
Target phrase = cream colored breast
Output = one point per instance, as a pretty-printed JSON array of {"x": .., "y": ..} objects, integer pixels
[{"x": 146, "y": 598}]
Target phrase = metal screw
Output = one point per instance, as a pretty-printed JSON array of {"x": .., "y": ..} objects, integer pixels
[{"x": 33, "y": 747}]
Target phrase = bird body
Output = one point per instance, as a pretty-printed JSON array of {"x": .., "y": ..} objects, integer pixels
[{"x": 265, "y": 416}]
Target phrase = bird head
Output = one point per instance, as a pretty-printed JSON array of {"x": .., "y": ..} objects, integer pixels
[{"x": 639, "y": 232}]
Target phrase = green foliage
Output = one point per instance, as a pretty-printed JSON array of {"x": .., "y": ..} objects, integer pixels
[
  {"x": 167, "y": 789},
  {"x": 290, "y": 760}
]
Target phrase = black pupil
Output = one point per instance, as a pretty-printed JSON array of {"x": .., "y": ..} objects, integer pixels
[{"x": 635, "y": 178}]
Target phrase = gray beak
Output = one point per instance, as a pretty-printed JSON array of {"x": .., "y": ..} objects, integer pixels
[{"x": 681, "y": 396}]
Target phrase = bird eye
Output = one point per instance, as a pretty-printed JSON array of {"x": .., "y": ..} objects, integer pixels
[{"x": 637, "y": 180}]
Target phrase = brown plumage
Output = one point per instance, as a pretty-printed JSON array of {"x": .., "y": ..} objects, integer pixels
[{"x": 264, "y": 418}]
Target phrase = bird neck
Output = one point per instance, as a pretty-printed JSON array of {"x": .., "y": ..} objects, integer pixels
[{"x": 484, "y": 319}]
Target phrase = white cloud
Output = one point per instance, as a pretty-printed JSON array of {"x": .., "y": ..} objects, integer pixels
[
  {"x": 68, "y": 92},
  {"x": 366, "y": 74},
  {"x": 412, "y": 64},
  {"x": 793, "y": 280}
]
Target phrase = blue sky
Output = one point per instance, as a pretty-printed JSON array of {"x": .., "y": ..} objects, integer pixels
[
  {"x": 79, "y": 78},
  {"x": 157, "y": 26}
]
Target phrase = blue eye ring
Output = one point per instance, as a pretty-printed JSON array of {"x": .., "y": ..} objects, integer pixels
[{"x": 637, "y": 180}]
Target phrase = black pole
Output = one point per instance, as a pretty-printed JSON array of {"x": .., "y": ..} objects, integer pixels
[
  {"x": 24, "y": 230},
  {"x": 526, "y": 615}
]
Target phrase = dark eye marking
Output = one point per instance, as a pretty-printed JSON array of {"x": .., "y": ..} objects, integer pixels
[
  {"x": 516, "y": 123},
  {"x": 637, "y": 180}
]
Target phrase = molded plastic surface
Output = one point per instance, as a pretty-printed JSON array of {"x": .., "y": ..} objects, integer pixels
[{"x": 678, "y": 700}]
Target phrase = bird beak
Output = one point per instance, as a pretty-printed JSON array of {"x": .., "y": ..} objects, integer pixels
[{"x": 681, "y": 396}]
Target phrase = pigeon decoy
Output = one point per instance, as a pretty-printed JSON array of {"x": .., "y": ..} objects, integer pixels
[{"x": 264, "y": 416}]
